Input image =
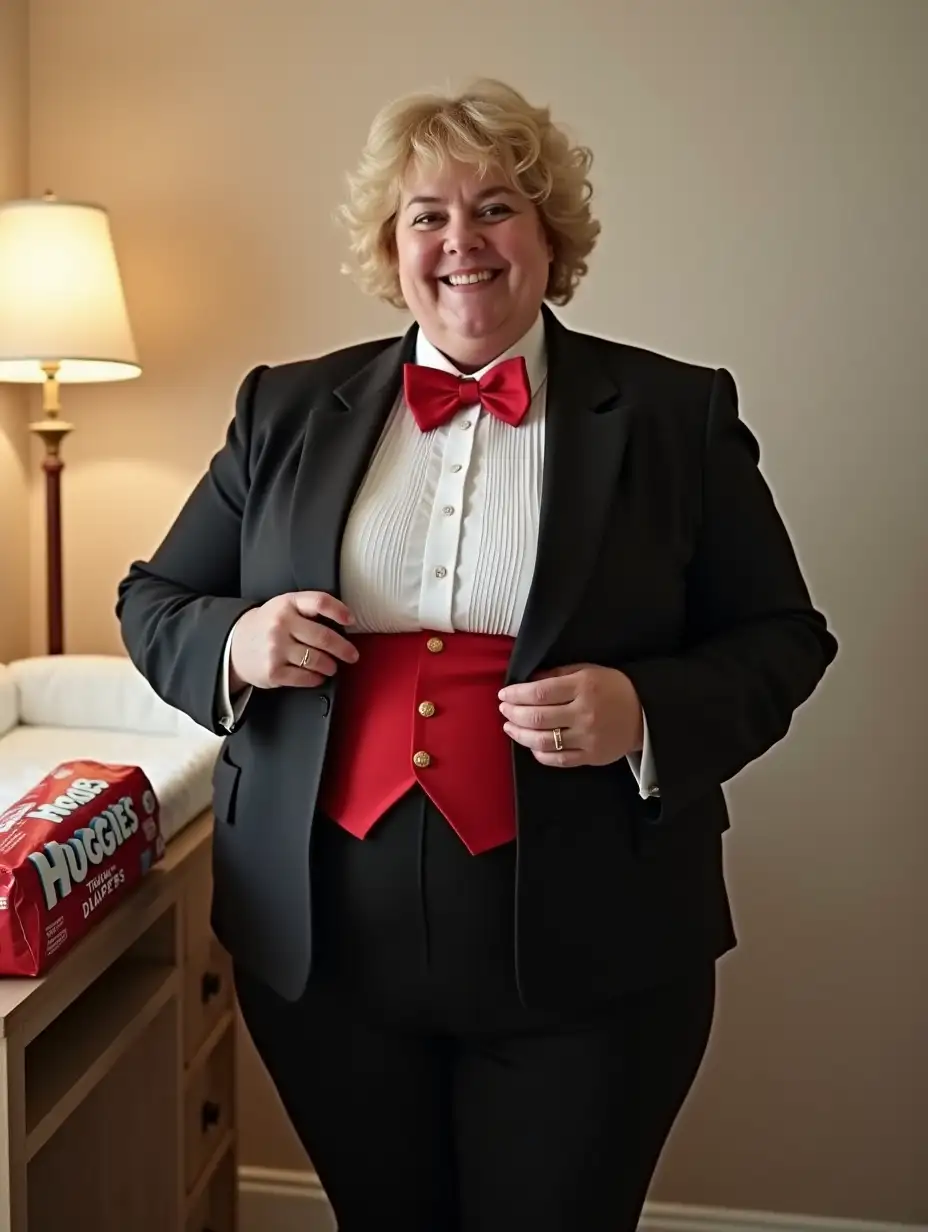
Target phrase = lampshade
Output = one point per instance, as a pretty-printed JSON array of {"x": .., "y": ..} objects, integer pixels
[{"x": 61, "y": 297}]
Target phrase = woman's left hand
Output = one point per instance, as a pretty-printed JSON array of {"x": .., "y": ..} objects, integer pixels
[{"x": 596, "y": 708}]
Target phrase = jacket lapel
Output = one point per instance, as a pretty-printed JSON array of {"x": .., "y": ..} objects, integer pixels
[
  {"x": 586, "y": 429},
  {"x": 340, "y": 438}
]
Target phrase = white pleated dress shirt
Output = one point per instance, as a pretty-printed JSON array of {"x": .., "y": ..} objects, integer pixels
[{"x": 443, "y": 531}]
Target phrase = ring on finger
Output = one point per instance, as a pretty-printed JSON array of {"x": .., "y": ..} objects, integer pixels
[
  {"x": 558, "y": 740},
  {"x": 304, "y": 662}
]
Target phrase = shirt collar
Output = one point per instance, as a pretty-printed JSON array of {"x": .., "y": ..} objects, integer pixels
[{"x": 531, "y": 347}]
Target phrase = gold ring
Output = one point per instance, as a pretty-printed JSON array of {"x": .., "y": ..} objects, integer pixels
[
  {"x": 558, "y": 740},
  {"x": 305, "y": 658}
]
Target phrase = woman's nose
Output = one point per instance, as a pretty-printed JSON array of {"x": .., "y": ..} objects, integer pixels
[{"x": 462, "y": 237}]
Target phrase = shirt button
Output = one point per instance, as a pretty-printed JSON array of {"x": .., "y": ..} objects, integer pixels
[
  {"x": 427, "y": 709},
  {"x": 465, "y": 424},
  {"x": 421, "y": 760},
  {"x": 441, "y": 571},
  {"x": 435, "y": 645},
  {"x": 448, "y": 510},
  {"x": 456, "y": 468}
]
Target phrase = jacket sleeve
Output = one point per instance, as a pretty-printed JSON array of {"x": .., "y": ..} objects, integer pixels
[
  {"x": 177, "y": 609},
  {"x": 755, "y": 647}
]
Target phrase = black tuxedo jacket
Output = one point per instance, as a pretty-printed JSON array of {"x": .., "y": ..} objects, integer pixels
[{"x": 660, "y": 552}]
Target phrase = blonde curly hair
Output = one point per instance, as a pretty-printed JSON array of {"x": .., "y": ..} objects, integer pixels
[{"x": 490, "y": 124}]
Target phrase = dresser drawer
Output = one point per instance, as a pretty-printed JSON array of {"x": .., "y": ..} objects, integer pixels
[
  {"x": 207, "y": 994},
  {"x": 209, "y": 1107},
  {"x": 215, "y": 1210}
]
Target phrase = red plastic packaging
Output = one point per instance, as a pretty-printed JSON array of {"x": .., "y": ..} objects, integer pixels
[{"x": 70, "y": 851}]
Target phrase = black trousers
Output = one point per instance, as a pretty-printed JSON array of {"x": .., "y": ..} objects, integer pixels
[{"x": 427, "y": 1096}]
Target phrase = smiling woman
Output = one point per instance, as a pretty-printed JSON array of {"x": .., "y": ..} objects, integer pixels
[
  {"x": 468, "y": 853},
  {"x": 499, "y": 189},
  {"x": 472, "y": 260}
]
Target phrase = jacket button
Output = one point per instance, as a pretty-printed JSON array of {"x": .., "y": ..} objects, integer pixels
[
  {"x": 435, "y": 645},
  {"x": 421, "y": 760},
  {"x": 426, "y": 709}
]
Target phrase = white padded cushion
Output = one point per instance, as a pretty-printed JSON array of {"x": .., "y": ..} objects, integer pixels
[
  {"x": 179, "y": 768},
  {"x": 102, "y": 691},
  {"x": 9, "y": 701},
  {"x": 98, "y": 707}
]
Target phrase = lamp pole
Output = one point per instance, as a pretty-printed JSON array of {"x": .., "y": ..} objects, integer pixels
[{"x": 52, "y": 430}]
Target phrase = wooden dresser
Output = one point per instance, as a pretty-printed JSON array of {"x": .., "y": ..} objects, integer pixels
[{"x": 117, "y": 1069}]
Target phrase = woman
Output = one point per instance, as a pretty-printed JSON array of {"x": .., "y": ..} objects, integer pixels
[{"x": 489, "y": 612}]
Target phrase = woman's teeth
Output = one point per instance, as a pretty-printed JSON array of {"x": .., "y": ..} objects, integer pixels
[{"x": 465, "y": 280}]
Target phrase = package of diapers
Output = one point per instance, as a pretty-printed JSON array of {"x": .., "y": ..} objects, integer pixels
[{"x": 71, "y": 849}]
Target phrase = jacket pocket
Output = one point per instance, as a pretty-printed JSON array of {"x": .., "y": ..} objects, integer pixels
[
  {"x": 702, "y": 821},
  {"x": 225, "y": 787}
]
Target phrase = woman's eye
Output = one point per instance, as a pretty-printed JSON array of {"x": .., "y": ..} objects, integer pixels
[{"x": 433, "y": 219}]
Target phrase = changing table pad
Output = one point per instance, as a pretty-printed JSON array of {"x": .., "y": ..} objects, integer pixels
[{"x": 57, "y": 708}]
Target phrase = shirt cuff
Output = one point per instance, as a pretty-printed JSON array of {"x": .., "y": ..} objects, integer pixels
[
  {"x": 644, "y": 769},
  {"x": 230, "y": 712}
]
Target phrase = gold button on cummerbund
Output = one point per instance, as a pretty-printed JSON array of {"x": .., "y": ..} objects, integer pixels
[
  {"x": 426, "y": 709},
  {"x": 421, "y": 760},
  {"x": 435, "y": 644}
]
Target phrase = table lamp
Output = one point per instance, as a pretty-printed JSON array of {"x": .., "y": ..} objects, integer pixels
[{"x": 62, "y": 318}]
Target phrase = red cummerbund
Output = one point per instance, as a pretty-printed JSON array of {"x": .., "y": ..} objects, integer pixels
[{"x": 423, "y": 707}]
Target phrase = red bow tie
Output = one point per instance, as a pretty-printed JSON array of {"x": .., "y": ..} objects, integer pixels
[{"x": 434, "y": 396}]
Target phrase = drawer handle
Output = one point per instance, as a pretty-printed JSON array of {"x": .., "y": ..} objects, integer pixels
[
  {"x": 209, "y": 1115},
  {"x": 210, "y": 986}
]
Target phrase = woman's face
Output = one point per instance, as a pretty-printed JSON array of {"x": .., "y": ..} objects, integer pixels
[{"x": 473, "y": 260}]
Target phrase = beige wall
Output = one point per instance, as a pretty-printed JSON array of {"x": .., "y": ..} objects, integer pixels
[
  {"x": 762, "y": 182},
  {"x": 14, "y": 434}
]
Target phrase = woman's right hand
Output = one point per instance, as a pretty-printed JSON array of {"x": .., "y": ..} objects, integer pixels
[{"x": 270, "y": 642}]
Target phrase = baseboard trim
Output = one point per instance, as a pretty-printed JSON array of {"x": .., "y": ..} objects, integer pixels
[
  {"x": 673, "y": 1217},
  {"x": 274, "y": 1200}
]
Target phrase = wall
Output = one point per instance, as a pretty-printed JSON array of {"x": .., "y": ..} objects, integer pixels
[
  {"x": 761, "y": 178},
  {"x": 14, "y": 434}
]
